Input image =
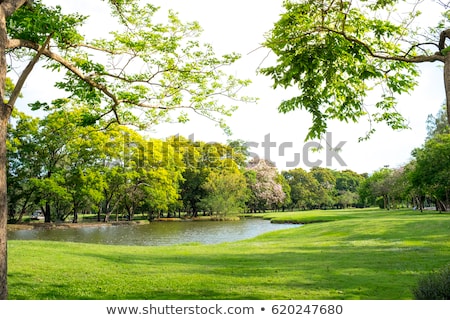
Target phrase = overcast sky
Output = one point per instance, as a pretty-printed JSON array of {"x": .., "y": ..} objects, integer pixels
[{"x": 239, "y": 26}]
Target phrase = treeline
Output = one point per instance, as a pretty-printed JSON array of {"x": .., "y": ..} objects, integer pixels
[
  {"x": 423, "y": 182},
  {"x": 64, "y": 164}
]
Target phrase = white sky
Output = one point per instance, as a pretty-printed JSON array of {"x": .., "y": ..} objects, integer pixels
[{"x": 239, "y": 26}]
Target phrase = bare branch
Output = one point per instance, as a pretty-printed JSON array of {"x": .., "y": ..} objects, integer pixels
[{"x": 419, "y": 46}]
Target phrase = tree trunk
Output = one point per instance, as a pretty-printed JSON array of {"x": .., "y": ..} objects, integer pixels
[
  {"x": 4, "y": 117},
  {"x": 75, "y": 214},
  {"x": 99, "y": 213},
  {"x": 47, "y": 213},
  {"x": 447, "y": 84},
  {"x": 5, "y": 113}
]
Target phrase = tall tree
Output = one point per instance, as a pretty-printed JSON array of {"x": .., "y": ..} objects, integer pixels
[
  {"x": 336, "y": 51},
  {"x": 157, "y": 67},
  {"x": 431, "y": 173}
]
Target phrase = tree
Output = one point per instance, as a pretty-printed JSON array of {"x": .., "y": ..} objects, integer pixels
[
  {"x": 327, "y": 183},
  {"x": 265, "y": 186},
  {"x": 431, "y": 172},
  {"x": 156, "y": 67},
  {"x": 226, "y": 192},
  {"x": 347, "y": 184},
  {"x": 438, "y": 124},
  {"x": 200, "y": 159},
  {"x": 336, "y": 51},
  {"x": 23, "y": 165},
  {"x": 378, "y": 186},
  {"x": 304, "y": 188}
]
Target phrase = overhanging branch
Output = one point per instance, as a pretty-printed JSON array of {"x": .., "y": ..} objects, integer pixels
[
  {"x": 20, "y": 43},
  {"x": 378, "y": 55},
  {"x": 26, "y": 72}
]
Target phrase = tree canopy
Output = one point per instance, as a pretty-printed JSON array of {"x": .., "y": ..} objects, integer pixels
[{"x": 335, "y": 52}]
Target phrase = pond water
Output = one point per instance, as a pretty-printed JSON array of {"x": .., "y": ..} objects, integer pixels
[{"x": 156, "y": 233}]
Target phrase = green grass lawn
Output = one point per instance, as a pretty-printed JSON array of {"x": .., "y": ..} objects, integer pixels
[{"x": 355, "y": 254}]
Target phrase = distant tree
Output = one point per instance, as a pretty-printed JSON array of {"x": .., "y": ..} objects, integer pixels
[
  {"x": 437, "y": 124},
  {"x": 378, "y": 186},
  {"x": 264, "y": 183},
  {"x": 303, "y": 188},
  {"x": 327, "y": 186},
  {"x": 336, "y": 51},
  {"x": 287, "y": 202},
  {"x": 347, "y": 185},
  {"x": 348, "y": 180},
  {"x": 431, "y": 172},
  {"x": 200, "y": 159},
  {"x": 39, "y": 150},
  {"x": 226, "y": 192},
  {"x": 24, "y": 163}
]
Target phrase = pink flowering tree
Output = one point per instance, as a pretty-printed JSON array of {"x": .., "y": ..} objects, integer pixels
[{"x": 265, "y": 185}]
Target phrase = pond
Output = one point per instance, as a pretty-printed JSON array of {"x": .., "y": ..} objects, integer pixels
[{"x": 156, "y": 233}]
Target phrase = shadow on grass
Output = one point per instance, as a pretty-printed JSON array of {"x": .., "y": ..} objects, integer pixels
[{"x": 331, "y": 272}]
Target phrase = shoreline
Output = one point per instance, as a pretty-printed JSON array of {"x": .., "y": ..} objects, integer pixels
[{"x": 70, "y": 225}]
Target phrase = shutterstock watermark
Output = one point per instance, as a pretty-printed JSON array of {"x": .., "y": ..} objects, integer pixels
[
  {"x": 191, "y": 152},
  {"x": 305, "y": 156}
]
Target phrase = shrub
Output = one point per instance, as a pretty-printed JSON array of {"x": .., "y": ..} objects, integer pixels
[{"x": 434, "y": 286}]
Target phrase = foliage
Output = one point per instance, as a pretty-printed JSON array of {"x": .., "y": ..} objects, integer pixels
[
  {"x": 145, "y": 64},
  {"x": 65, "y": 169},
  {"x": 438, "y": 124},
  {"x": 323, "y": 188},
  {"x": 335, "y": 52},
  {"x": 377, "y": 185},
  {"x": 431, "y": 172},
  {"x": 226, "y": 192},
  {"x": 347, "y": 185},
  {"x": 265, "y": 186},
  {"x": 201, "y": 160},
  {"x": 303, "y": 188},
  {"x": 434, "y": 286},
  {"x": 327, "y": 185}
]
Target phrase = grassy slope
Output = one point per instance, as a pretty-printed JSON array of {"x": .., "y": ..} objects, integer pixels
[{"x": 357, "y": 254}]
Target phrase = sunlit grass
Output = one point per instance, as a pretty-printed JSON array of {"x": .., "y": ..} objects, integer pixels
[{"x": 357, "y": 254}]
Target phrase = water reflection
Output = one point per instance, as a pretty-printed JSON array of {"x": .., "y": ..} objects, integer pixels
[{"x": 156, "y": 233}]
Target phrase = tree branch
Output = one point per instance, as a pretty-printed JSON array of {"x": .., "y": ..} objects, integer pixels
[
  {"x": 378, "y": 55},
  {"x": 10, "y": 6},
  {"x": 443, "y": 36},
  {"x": 19, "y": 43},
  {"x": 26, "y": 72}
]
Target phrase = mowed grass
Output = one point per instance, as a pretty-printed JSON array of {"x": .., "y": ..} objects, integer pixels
[{"x": 355, "y": 254}]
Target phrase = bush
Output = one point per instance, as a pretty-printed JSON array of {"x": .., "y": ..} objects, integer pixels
[{"x": 434, "y": 286}]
